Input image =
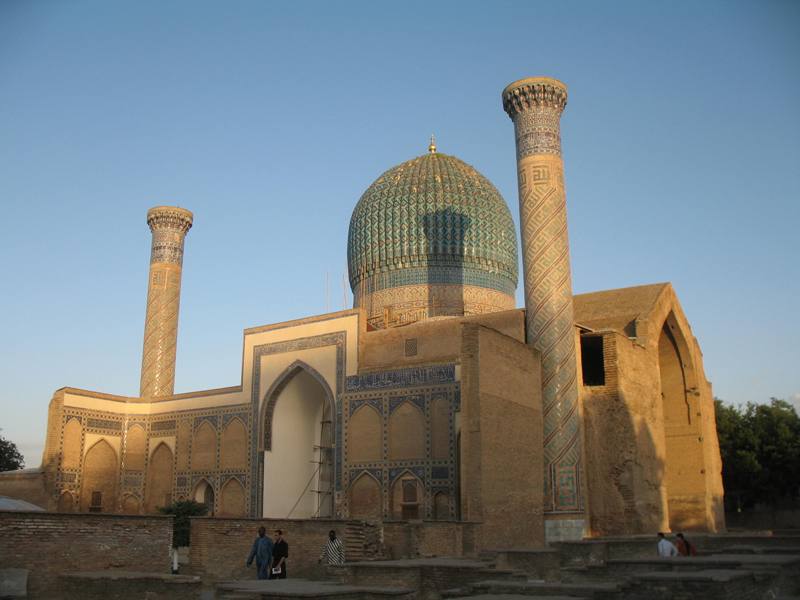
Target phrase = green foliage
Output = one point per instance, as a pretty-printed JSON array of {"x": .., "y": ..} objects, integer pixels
[
  {"x": 760, "y": 448},
  {"x": 182, "y": 510},
  {"x": 10, "y": 457}
]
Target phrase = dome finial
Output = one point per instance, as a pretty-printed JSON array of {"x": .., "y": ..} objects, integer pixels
[{"x": 432, "y": 146}]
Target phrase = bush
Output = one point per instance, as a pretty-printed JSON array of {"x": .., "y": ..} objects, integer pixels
[{"x": 182, "y": 510}]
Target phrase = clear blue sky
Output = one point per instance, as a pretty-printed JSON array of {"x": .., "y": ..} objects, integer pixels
[{"x": 268, "y": 120}]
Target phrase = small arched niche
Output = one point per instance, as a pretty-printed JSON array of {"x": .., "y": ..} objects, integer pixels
[
  {"x": 159, "y": 479},
  {"x": 407, "y": 494},
  {"x": 204, "y": 494},
  {"x": 406, "y": 432},
  {"x": 364, "y": 443},
  {"x": 232, "y": 500},
  {"x": 365, "y": 498}
]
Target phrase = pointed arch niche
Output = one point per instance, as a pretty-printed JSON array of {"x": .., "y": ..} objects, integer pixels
[
  {"x": 99, "y": 481},
  {"x": 684, "y": 464},
  {"x": 364, "y": 438},
  {"x": 233, "y": 448},
  {"x": 232, "y": 501},
  {"x": 364, "y": 498},
  {"x": 204, "y": 494},
  {"x": 135, "y": 443},
  {"x": 406, "y": 497},
  {"x": 71, "y": 453},
  {"x": 406, "y": 432},
  {"x": 297, "y": 438},
  {"x": 159, "y": 478}
]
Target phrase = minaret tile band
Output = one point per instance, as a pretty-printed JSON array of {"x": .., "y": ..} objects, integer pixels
[
  {"x": 535, "y": 106},
  {"x": 169, "y": 226}
]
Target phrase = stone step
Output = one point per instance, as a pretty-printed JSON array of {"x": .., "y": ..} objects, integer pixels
[
  {"x": 510, "y": 597},
  {"x": 544, "y": 588},
  {"x": 303, "y": 588}
]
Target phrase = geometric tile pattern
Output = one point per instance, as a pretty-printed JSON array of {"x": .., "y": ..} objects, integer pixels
[
  {"x": 401, "y": 378},
  {"x": 410, "y": 303},
  {"x": 168, "y": 226},
  {"x": 431, "y": 220},
  {"x": 535, "y": 106},
  {"x": 386, "y": 391},
  {"x": 336, "y": 339}
]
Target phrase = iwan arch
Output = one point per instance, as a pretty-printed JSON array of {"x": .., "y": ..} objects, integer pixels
[{"x": 434, "y": 397}]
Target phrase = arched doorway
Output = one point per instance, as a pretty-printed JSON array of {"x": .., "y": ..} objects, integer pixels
[
  {"x": 684, "y": 465},
  {"x": 298, "y": 448},
  {"x": 204, "y": 494}
]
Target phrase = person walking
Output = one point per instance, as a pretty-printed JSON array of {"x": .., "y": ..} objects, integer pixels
[
  {"x": 684, "y": 546},
  {"x": 262, "y": 552},
  {"x": 280, "y": 552},
  {"x": 332, "y": 551},
  {"x": 666, "y": 548}
]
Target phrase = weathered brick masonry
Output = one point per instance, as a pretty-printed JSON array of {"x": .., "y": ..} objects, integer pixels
[
  {"x": 219, "y": 547},
  {"x": 403, "y": 539},
  {"x": 48, "y": 544}
]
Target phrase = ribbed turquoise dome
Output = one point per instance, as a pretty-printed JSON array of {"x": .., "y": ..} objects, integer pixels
[{"x": 432, "y": 220}]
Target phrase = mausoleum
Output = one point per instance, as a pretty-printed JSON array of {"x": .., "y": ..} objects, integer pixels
[{"x": 434, "y": 397}]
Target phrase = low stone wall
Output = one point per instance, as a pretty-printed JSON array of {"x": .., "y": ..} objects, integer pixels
[
  {"x": 541, "y": 563},
  {"x": 28, "y": 485},
  {"x": 778, "y": 518},
  {"x": 49, "y": 544},
  {"x": 412, "y": 539},
  {"x": 429, "y": 577},
  {"x": 597, "y": 551},
  {"x": 219, "y": 546},
  {"x": 123, "y": 585}
]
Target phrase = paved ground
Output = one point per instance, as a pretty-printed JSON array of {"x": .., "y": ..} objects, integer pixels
[
  {"x": 302, "y": 588},
  {"x": 423, "y": 562}
]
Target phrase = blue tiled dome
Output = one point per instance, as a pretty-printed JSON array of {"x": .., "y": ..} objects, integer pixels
[{"x": 433, "y": 219}]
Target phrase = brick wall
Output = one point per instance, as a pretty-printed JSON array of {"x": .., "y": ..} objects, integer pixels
[
  {"x": 501, "y": 422},
  {"x": 403, "y": 539},
  {"x": 48, "y": 544},
  {"x": 219, "y": 546}
]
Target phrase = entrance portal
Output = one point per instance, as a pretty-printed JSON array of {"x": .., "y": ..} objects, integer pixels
[{"x": 298, "y": 464}]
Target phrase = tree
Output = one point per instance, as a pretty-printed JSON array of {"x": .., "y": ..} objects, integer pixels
[
  {"x": 10, "y": 457},
  {"x": 182, "y": 510},
  {"x": 760, "y": 448}
]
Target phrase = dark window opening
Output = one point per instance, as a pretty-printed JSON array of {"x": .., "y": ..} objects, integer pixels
[
  {"x": 409, "y": 491},
  {"x": 592, "y": 365},
  {"x": 410, "y": 512},
  {"x": 409, "y": 508},
  {"x": 97, "y": 502},
  {"x": 411, "y": 347}
]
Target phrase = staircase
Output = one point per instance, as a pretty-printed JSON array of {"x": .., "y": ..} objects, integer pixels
[{"x": 362, "y": 541}]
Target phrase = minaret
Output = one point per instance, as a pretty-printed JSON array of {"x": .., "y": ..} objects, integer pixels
[
  {"x": 535, "y": 105},
  {"x": 169, "y": 225}
]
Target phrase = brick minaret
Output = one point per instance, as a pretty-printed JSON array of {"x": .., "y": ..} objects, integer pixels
[
  {"x": 535, "y": 105},
  {"x": 169, "y": 225}
]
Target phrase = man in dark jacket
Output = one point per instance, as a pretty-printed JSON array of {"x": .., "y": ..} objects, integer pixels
[
  {"x": 262, "y": 552},
  {"x": 279, "y": 555}
]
